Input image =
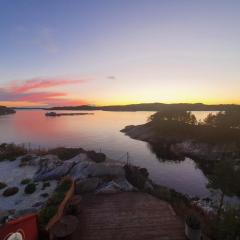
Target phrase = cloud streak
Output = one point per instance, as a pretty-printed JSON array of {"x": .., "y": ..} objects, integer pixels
[
  {"x": 39, "y": 83},
  {"x": 36, "y": 91}
]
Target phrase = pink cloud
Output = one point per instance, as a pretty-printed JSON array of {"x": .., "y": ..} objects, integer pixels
[
  {"x": 40, "y": 83},
  {"x": 40, "y": 96},
  {"x": 52, "y": 98},
  {"x": 28, "y": 91}
]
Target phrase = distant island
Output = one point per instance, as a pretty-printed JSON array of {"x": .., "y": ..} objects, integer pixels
[
  {"x": 4, "y": 110},
  {"x": 147, "y": 107},
  {"x": 54, "y": 114}
]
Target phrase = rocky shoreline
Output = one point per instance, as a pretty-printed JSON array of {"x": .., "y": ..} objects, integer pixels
[
  {"x": 175, "y": 148},
  {"x": 5, "y": 110},
  {"x": 29, "y": 179}
]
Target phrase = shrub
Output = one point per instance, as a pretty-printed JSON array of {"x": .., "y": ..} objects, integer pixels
[
  {"x": 193, "y": 222},
  {"x": 228, "y": 227},
  {"x": 52, "y": 204},
  {"x": 96, "y": 157},
  {"x": 162, "y": 193},
  {"x": 26, "y": 181},
  {"x": 205, "y": 133},
  {"x": 46, "y": 214},
  {"x": 11, "y": 151},
  {"x": 136, "y": 176},
  {"x": 30, "y": 188},
  {"x": 226, "y": 119},
  {"x": 10, "y": 191},
  {"x": 25, "y": 160},
  {"x": 66, "y": 153},
  {"x": 64, "y": 185},
  {"x": 174, "y": 115},
  {"x": 2, "y": 185}
]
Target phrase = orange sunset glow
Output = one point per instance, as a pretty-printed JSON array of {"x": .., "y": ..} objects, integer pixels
[{"x": 129, "y": 54}]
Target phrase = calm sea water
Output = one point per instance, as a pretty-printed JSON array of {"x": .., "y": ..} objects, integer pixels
[{"x": 102, "y": 131}]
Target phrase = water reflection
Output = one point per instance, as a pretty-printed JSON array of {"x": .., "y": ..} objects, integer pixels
[
  {"x": 164, "y": 153},
  {"x": 102, "y": 131}
]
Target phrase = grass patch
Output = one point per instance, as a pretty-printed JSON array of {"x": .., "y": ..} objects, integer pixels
[
  {"x": 11, "y": 151},
  {"x": 53, "y": 202},
  {"x": 66, "y": 153}
]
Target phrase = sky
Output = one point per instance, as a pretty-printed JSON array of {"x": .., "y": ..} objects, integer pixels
[{"x": 75, "y": 52}]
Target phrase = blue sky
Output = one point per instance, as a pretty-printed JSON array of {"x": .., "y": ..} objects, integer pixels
[{"x": 119, "y": 51}]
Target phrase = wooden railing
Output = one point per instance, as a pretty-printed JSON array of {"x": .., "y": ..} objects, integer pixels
[{"x": 62, "y": 206}]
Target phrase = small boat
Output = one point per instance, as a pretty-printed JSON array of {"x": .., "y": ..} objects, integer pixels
[
  {"x": 54, "y": 114},
  {"x": 51, "y": 114}
]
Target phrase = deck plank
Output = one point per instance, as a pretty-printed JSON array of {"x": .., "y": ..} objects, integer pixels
[{"x": 128, "y": 216}]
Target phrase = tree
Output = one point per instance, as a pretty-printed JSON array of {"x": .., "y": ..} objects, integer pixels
[
  {"x": 224, "y": 178},
  {"x": 229, "y": 225},
  {"x": 227, "y": 119},
  {"x": 210, "y": 120},
  {"x": 174, "y": 115}
]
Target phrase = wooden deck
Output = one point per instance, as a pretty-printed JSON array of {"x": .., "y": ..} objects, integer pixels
[{"x": 127, "y": 216}]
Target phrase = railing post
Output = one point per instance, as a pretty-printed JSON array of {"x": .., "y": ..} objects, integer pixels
[{"x": 127, "y": 158}]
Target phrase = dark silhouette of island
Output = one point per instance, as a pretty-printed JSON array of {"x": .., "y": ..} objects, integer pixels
[
  {"x": 152, "y": 107},
  {"x": 4, "y": 110},
  {"x": 177, "y": 134}
]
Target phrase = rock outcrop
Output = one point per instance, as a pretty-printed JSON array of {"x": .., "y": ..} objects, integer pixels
[
  {"x": 92, "y": 171},
  {"x": 176, "y": 148},
  {"x": 10, "y": 191},
  {"x": 87, "y": 185}
]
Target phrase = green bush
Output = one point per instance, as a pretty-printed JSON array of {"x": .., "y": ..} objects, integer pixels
[
  {"x": 162, "y": 192},
  {"x": 64, "y": 185},
  {"x": 54, "y": 201},
  {"x": 26, "y": 181},
  {"x": 136, "y": 176},
  {"x": 30, "y": 188},
  {"x": 25, "y": 160},
  {"x": 228, "y": 226},
  {"x": 2, "y": 185},
  {"x": 46, "y": 214},
  {"x": 171, "y": 128},
  {"x": 193, "y": 222},
  {"x": 11, "y": 151},
  {"x": 66, "y": 153}
]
